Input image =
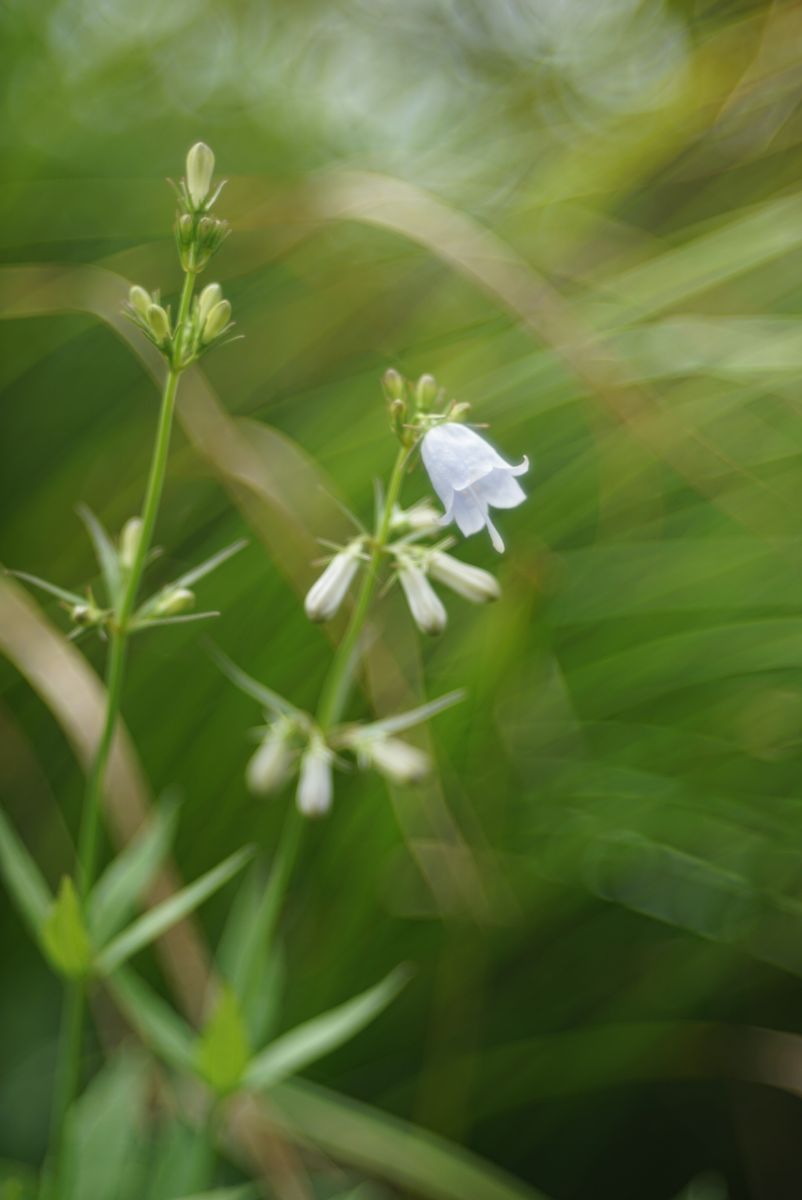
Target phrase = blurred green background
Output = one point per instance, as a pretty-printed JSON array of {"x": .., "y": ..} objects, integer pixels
[{"x": 585, "y": 219}]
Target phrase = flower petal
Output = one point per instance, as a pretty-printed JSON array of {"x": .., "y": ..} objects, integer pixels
[
  {"x": 500, "y": 489},
  {"x": 456, "y": 456},
  {"x": 467, "y": 511}
]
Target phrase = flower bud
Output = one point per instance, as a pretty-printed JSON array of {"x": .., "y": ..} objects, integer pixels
[
  {"x": 83, "y": 614},
  {"x": 328, "y": 592},
  {"x": 315, "y": 785},
  {"x": 185, "y": 229},
  {"x": 393, "y": 758},
  {"x": 216, "y": 321},
  {"x": 425, "y": 605},
  {"x": 200, "y": 168},
  {"x": 393, "y": 384},
  {"x": 212, "y": 294},
  {"x": 140, "y": 301},
  {"x": 271, "y": 765},
  {"x": 425, "y": 392},
  {"x": 421, "y": 518},
  {"x": 176, "y": 601},
  {"x": 129, "y": 542},
  {"x": 159, "y": 323},
  {"x": 473, "y": 583}
]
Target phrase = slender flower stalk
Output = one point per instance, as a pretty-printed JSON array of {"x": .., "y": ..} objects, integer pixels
[{"x": 71, "y": 1036}]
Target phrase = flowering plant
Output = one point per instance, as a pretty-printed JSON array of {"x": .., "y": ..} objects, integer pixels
[{"x": 89, "y": 931}]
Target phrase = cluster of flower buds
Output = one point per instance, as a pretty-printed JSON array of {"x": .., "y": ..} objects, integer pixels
[
  {"x": 198, "y": 234},
  {"x": 293, "y": 746},
  {"x": 208, "y": 322}
]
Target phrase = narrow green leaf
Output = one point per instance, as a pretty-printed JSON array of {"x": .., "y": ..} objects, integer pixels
[
  {"x": 211, "y": 564},
  {"x": 222, "y": 1051},
  {"x": 23, "y": 879},
  {"x": 156, "y": 922},
  {"x": 105, "y": 551},
  {"x": 416, "y": 716},
  {"x": 402, "y": 1153},
  {"x": 116, "y": 893},
  {"x": 140, "y": 623},
  {"x": 68, "y": 597},
  {"x": 251, "y": 687},
  {"x": 158, "y": 1025},
  {"x": 295, "y": 1050},
  {"x": 64, "y": 934},
  {"x": 190, "y": 577},
  {"x": 248, "y": 957}
]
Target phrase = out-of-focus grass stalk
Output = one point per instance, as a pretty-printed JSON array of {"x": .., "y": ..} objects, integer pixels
[{"x": 74, "y": 1005}]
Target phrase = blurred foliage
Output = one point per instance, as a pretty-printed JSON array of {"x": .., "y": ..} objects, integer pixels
[{"x": 585, "y": 220}]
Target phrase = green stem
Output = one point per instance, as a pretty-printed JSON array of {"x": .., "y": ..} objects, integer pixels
[
  {"x": 71, "y": 1036},
  {"x": 332, "y": 703},
  {"x": 340, "y": 678}
]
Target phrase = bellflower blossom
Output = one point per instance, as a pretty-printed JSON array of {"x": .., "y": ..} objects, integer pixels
[{"x": 470, "y": 477}]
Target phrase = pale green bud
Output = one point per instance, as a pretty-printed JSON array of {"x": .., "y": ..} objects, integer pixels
[
  {"x": 177, "y": 601},
  {"x": 185, "y": 229},
  {"x": 129, "y": 542},
  {"x": 140, "y": 301},
  {"x": 83, "y": 614},
  {"x": 393, "y": 384},
  {"x": 426, "y": 392},
  {"x": 216, "y": 321},
  {"x": 159, "y": 323},
  {"x": 212, "y": 294},
  {"x": 200, "y": 168}
]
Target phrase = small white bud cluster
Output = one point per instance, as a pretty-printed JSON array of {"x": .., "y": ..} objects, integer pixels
[
  {"x": 198, "y": 234},
  {"x": 293, "y": 745}
]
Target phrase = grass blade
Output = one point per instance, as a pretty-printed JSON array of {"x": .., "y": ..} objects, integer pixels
[{"x": 23, "y": 879}]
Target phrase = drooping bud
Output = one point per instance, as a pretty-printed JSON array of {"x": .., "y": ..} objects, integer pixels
[
  {"x": 159, "y": 323},
  {"x": 425, "y": 392},
  {"x": 216, "y": 321},
  {"x": 177, "y": 600},
  {"x": 421, "y": 518},
  {"x": 211, "y": 295},
  {"x": 393, "y": 384},
  {"x": 474, "y": 583},
  {"x": 140, "y": 301},
  {"x": 315, "y": 784},
  {"x": 271, "y": 765},
  {"x": 200, "y": 168},
  {"x": 393, "y": 758},
  {"x": 129, "y": 542},
  {"x": 425, "y": 605},
  {"x": 328, "y": 592}
]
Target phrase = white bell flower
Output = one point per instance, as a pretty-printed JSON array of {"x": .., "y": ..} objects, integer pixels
[
  {"x": 328, "y": 592},
  {"x": 426, "y": 607},
  {"x": 315, "y": 784},
  {"x": 470, "y": 477},
  {"x": 473, "y": 583}
]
